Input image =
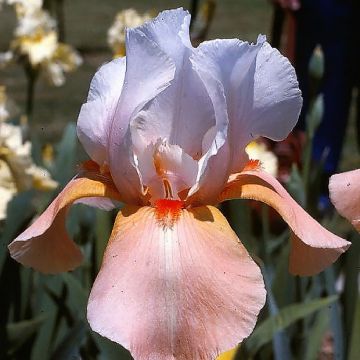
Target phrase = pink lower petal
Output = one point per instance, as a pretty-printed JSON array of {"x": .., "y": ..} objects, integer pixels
[
  {"x": 45, "y": 245},
  {"x": 345, "y": 195},
  {"x": 313, "y": 247},
  {"x": 180, "y": 288}
]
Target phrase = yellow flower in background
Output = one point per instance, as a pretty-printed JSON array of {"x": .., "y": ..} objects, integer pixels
[
  {"x": 259, "y": 151},
  {"x": 17, "y": 169},
  {"x": 128, "y": 18},
  {"x": 17, "y": 156},
  {"x": 36, "y": 41},
  {"x": 39, "y": 47},
  {"x": 65, "y": 59}
]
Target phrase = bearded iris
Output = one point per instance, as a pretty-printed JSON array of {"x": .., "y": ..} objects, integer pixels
[{"x": 166, "y": 130}]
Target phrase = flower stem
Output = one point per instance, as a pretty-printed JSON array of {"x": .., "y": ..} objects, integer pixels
[
  {"x": 31, "y": 75},
  {"x": 60, "y": 17},
  {"x": 194, "y": 7}
]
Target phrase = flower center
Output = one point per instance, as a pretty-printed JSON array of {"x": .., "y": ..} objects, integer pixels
[
  {"x": 166, "y": 170},
  {"x": 161, "y": 171},
  {"x": 168, "y": 211}
]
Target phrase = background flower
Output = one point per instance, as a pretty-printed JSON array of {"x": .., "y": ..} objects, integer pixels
[{"x": 127, "y": 18}]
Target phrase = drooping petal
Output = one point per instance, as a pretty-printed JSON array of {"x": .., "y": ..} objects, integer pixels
[
  {"x": 345, "y": 195},
  {"x": 183, "y": 112},
  {"x": 96, "y": 114},
  {"x": 142, "y": 83},
  {"x": 313, "y": 248},
  {"x": 261, "y": 90},
  {"x": 45, "y": 245},
  {"x": 184, "y": 290}
]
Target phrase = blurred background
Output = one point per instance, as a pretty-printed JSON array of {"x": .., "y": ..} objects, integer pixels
[
  {"x": 86, "y": 25},
  {"x": 49, "y": 52}
]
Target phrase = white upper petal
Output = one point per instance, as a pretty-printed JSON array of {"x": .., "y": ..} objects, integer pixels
[
  {"x": 261, "y": 90},
  {"x": 183, "y": 112},
  {"x": 210, "y": 102},
  {"x": 96, "y": 114},
  {"x": 148, "y": 72}
]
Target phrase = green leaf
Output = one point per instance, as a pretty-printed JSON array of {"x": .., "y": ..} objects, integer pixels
[
  {"x": 313, "y": 341},
  {"x": 77, "y": 295},
  {"x": 69, "y": 347},
  {"x": 286, "y": 316},
  {"x": 21, "y": 331},
  {"x": 295, "y": 186},
  {"x": 352, "y": 260},
  {"x": 19, "y": 212},
  {"x": 44, "y": 304},
  {"x": 354, "y": 348},
  {"x": 283, "y": 283},
  {"x": 335, "y": 315},
  {"x": 110, "y": 350},
  {"x": 314, "y": 117},
  {"x": 238, "y": 213},
  {"x": 65, "y": 162},
  {"x": 280, "y": 339}
]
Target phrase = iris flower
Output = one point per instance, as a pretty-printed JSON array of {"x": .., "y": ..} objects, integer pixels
[
  {"x": 344, "y": 191},
  {"x": 166, "y": 129}
]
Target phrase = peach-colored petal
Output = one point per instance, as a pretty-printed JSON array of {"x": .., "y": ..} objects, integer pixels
[
  {"x": 45, "y": 245},
  {"x": 313, "y": 248},
  {"x": 175, "y": 288},
  {"x": 345, "y": 195}
]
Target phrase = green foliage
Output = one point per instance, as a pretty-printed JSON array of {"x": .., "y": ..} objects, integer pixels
[{"x": 287, "y": 316}]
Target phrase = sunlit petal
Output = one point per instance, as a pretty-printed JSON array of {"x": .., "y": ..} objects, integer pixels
[
  {"x": 183, "y": 112},
  {"x": 313, "y": 247},
  {"x": 45, "y": 245},
  {"x": 153, "y": 78},
  {"x": 345, "y": 195},
  {"x": 95, "y": 116},
  {"x": 260, "y": 87},
  {"x": 190, "y": 293}
]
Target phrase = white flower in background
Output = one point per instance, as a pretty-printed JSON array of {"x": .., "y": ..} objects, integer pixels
[
  {"x": 39, "y": 48},
  {"x": 128, "y": 18},
  {"x": 34, "y": 22},
  {"x": 25, "y": 6},
  {"x": 17, "y": 169},
  {"x": 65, "y": 59},
  {"x": 6, "y": 58},
  {"x": 36, "y": 42},
  {"x": 8, "y": 109},
  {"x": 259, "y": 151},
  {"x": 4, "y": 112}
]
